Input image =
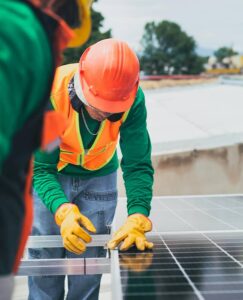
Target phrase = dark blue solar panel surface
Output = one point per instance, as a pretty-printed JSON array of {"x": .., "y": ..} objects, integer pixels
[
  {"x": 185, "y": 267},
  {"x": 198, "y": 256}
]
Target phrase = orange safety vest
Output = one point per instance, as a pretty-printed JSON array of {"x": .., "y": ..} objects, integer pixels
[{"x": 71, "y": 148}]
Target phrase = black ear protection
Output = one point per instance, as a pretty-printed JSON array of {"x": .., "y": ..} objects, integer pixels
[
  {"x": 77, "y": 104},
  {"x": 115, "y": 117}
]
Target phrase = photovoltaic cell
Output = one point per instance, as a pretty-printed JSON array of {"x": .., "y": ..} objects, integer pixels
[
  {"x": 203, "y": 262},
  {"x": 185, "y": 267}
]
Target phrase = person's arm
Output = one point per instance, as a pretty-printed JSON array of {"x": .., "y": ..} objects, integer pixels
[
  {"x": 45, "y": 181},
  {"x": 138, "y": 177},
  {"x": 21, "y": 86},
  {"x": 136, "y": 158}
]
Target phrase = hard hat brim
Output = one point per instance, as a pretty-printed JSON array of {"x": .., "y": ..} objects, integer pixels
[{"x": 105, "y": 105}]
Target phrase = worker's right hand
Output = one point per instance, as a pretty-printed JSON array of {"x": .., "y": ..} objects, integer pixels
[{"x": 69, "y": 218}]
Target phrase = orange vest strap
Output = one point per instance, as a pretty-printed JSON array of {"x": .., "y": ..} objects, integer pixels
[{"x": 54, "y": 125}]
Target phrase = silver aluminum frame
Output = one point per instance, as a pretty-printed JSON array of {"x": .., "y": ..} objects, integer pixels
[
  {"x": 69, "y": 266},
  {"x": 116, "y": 288},
  {"x": 55, "y": 241},
  {"x": 64, "y": 266}
]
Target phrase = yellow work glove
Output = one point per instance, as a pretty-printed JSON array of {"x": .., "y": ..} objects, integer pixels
[
  {"x": 132, "y": 233},
  {"x": 69, "y": 218}
]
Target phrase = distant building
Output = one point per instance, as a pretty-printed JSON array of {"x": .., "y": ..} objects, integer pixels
[{"x": 229, "y": 65}]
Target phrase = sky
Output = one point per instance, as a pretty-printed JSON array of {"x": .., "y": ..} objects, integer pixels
[{"x": 212, "y": 23}]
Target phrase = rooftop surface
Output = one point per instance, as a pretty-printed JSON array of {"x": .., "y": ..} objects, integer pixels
[{"x": 186, "y": 118}]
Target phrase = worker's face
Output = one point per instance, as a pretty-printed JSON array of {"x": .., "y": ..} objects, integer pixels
[{"x": 97, "y": 114}]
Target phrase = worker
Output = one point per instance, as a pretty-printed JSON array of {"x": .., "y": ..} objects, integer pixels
[
  {"x": 75, "y": 187},
  {"x": 32, "y": 37}
]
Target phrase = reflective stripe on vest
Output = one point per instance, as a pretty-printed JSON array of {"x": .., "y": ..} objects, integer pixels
[{"x": 71, "y": 149}]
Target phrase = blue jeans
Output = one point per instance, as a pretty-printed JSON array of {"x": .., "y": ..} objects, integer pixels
[{"x": 96, "y": 199}]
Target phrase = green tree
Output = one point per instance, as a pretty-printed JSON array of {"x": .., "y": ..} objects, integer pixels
[
  {"x": 223, "y": 52},
  {"x": 169, "y": 50},
  {"x": 72, "y": 55}
]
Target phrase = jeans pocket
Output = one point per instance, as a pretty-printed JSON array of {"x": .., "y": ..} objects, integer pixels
[
  {"x": 101, "y": 221},
  {"x": 99, "y": 207}
]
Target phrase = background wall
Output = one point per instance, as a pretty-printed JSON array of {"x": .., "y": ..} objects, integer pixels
[{"x": 214, "y": 171}]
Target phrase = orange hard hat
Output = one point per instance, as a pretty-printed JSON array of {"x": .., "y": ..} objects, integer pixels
[{"x": 108, "y": 76}]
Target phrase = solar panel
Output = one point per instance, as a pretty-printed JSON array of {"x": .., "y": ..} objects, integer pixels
[{"x": 198, "y": 252}]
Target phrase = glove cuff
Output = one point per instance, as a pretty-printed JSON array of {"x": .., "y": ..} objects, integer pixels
[
  {"x": 145, "y": 222},
  {"x": 62, "y": 212}
]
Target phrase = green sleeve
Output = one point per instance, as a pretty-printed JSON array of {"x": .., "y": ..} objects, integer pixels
[
  {"x": 45, "y": 180},
  {"x": 25, "y": 68},
  {"x": 136, "y": 158}
]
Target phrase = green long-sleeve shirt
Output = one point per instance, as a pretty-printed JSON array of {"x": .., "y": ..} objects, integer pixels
[
  {"x": 136, "y": 163},
  {"x": 25, "y": 68}
]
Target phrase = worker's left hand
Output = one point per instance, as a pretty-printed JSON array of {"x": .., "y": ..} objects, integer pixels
[{"x": 132, "y": 233}]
